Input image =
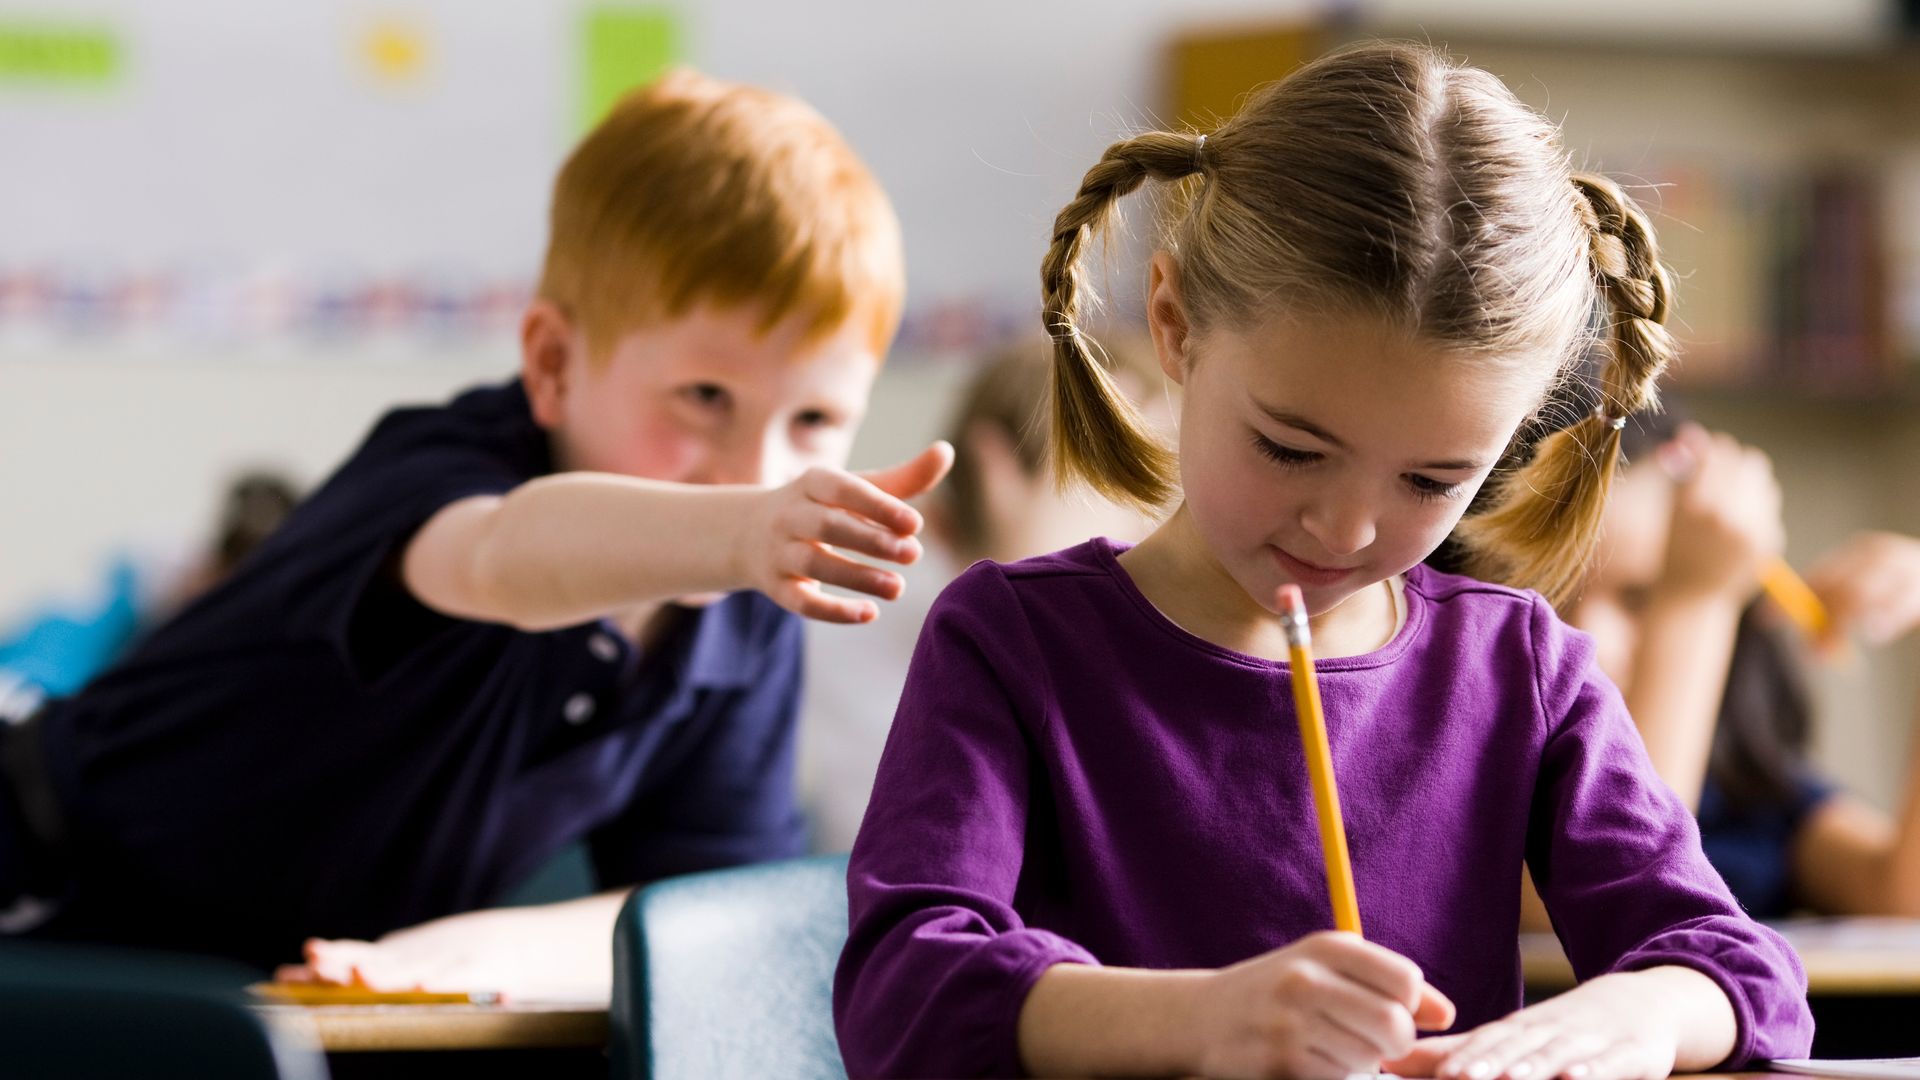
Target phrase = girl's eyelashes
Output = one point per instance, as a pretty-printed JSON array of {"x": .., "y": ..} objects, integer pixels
[
  {"x": 1426, "y": 487},
  {"x": 1423, "y": 487},
  {"x": 1284, "y": 455}
]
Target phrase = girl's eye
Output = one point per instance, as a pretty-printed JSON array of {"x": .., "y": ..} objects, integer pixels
[
  {"x": 706, "y": 395},
  {"x": 1284, "y": 455},
  {"x": 1426, "y": 487},
  {"x": 816, "y": 418}
]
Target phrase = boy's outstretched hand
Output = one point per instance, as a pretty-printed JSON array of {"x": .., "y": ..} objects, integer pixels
[{"x": 786, "y": 550}]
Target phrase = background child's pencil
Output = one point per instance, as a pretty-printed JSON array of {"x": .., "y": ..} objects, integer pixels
[{"x": 1788, "y": 590}]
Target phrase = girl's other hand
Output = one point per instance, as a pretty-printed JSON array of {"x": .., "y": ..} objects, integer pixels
[
  {"x": 1726, "y": 516},
  {"x": 1624, "y": 1026},
  {"x": 1325, "y": 1006},
  {"x": 1871, "y": 585}
]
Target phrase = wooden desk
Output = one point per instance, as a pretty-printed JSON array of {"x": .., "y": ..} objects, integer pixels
[{"x": 366, "y": 1042}]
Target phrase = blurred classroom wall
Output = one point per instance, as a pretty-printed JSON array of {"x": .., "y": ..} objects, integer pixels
[{"x": 233, "y": 233}]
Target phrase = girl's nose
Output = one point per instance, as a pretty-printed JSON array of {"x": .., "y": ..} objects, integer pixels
[{"x": 1341, "y": 528}]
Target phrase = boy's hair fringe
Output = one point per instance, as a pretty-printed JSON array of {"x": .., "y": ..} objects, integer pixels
[{"x": 693, "y": 190}]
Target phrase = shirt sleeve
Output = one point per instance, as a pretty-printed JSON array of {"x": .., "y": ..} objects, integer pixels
[
  {"x": 730, "y": 799},
  {"x": 938, "y": 962},
  {"x": 341, "y": 550},
  {"x": 1618, "y": 862}
]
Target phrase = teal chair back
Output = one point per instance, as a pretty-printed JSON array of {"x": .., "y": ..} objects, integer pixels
[
  {"x": 68, "y": 1013},
  {"x": 730, "y": 973}
]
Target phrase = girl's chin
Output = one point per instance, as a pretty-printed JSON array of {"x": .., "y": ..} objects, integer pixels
[{"x": 699, "y": 600}]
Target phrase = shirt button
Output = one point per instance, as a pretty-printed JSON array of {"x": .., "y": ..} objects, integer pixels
[
  {"x": 578, "y": 709},
  {"x": 603, "y": 647}
]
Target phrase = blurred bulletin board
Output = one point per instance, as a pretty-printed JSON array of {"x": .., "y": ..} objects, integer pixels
[
  {"x": 225, "y": 170},
  {"x": 1210, "y": 71}
]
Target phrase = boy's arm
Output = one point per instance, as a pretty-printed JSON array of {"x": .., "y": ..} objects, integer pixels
[{"x": 561, "y": 550}]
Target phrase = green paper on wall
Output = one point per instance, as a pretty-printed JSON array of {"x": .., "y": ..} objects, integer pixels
[
  {"x": 623, "y": 47},
  {"x": 46, "y": 53}
]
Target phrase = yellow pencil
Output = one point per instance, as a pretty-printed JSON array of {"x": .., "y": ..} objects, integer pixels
[
  {"x": 1793, "y": 596},
  {"x": 288, "y": 993},
  {"x": 1313, "y": 736}
]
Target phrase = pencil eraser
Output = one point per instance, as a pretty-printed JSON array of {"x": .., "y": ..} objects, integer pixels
[{"x": 1290, "y": 598}]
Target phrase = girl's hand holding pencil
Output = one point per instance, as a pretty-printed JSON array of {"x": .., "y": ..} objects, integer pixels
[{"x": 1325, "y": 1006}]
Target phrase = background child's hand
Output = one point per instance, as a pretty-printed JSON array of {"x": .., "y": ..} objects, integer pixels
[
  {"x": 787, "y": 548},
  {"x": 1871, "y": 585},
  {"x": 1325, "y": 1006},
  {"x": 1726, "y": 516},
  {"x": 1608, "y": 1028}
]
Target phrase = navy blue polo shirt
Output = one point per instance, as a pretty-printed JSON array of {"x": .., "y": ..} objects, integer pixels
[{"x": 309, "y": 751}]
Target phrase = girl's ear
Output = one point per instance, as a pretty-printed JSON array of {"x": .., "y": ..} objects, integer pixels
[
  {"x": 547, "y": 347},
  {"x": 1167, "y": 316}
]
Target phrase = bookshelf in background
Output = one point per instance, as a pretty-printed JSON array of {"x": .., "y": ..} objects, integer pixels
[{"x": 1784, "y": 183}]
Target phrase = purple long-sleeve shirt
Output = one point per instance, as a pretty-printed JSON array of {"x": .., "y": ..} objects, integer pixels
[{"x": 1073, "y": 778}]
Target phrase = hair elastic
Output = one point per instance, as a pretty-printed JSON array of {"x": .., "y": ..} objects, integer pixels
[
  {"x": 1199, "y": 149},
  {"x": 1617, "y": 423}
]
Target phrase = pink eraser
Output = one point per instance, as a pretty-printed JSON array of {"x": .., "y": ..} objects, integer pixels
[{"x": 1290, "y": 598}]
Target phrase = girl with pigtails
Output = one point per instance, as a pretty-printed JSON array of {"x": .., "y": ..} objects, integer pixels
[{"x": 1091, "y": 848}]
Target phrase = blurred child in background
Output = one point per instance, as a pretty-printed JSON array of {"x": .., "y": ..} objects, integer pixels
[
  {"x": 58, "y": 650},
  {"x": 1715, "y": 681}
]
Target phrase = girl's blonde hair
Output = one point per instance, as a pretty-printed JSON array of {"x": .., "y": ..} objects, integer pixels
[{"x": 1386, "y": 179}]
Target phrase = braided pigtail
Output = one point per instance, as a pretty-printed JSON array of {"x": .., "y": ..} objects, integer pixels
[
  {"x": 1097, "y": 434},
  {"x": 1540, "y": 531}
]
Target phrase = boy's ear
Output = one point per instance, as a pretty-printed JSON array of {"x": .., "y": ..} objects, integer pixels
[
  {"x": 547, "y": 346},
  {"x": 1167, "y": 316}
]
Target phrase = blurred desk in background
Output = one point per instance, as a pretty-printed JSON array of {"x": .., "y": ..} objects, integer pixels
[{"x": 1863, "y": 981}]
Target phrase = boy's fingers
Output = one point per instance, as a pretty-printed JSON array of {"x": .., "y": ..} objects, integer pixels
[
  {"x": 336, "y": 961},
  {"x": 913, "y": 477},
  {"x": 829, "y": 567},
  {"x": 853, "y": 491},
  {"x": 840, "y": 528},
  {"x": 804, "y": 598}
]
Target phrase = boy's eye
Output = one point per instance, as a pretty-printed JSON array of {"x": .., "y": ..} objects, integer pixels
[
  {"x": 1284, "y": 455},
  {"x": 706, "y": 395},
  {"x": 1426, "y": 487}
]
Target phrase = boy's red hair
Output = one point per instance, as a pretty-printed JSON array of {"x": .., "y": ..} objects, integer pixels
[{"x": 694, "y": 190}]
